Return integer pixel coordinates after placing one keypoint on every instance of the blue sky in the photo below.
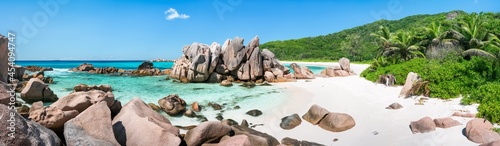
(142, 29)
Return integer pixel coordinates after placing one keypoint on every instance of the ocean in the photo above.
(152, 88)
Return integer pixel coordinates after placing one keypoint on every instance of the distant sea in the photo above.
(151, 89)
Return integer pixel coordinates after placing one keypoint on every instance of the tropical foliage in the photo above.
(462, 59)
(436, 36)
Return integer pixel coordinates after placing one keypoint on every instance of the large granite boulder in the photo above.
(4, 59)
(337, 122)
(302, 72)
(423, 125)
(269, 77)
(91, 127)
(145, 65)
(204, 63)
(480, 131)
(410, 79)
(234, 54)
(493, 143)
(19, 72)
(180, 68)
(270, 61)
(137, 124)
(5, 91)
(36, 106)
(345, 64)
(84, 67)
(172, 104)
(18, 131)
(215, 50)
(252, 68)
(52, 118)
(82, 100)
(206, 132)
(37, 90)
(199, 69)
(315, 114)
(255, 137)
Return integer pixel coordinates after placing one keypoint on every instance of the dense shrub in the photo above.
(398, 70)
(447, 79)
(476, 79)
(488, 97)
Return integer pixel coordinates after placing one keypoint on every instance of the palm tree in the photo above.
(441, 44)
(385, 36)
(473, 36)
(405, 46)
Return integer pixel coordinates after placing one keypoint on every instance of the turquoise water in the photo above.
(125, 64)
(151, 89)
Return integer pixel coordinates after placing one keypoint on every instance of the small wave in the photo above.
(61, 69)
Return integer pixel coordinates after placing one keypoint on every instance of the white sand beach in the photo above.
(365, 102)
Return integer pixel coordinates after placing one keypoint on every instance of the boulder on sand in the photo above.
(480, 131)
(137, 124)
(410, 79)
(423, 125)
(446, 122)
(290, 122)
(345, 64)
(394, 106)
(337, 122)
(315, 114)
(37, 90)
(302, 72)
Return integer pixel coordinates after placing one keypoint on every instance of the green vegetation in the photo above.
(461, 58)
(496, 130)
(358, 44)
(447, 78)
(459, 55)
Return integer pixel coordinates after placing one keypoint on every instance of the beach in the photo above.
(365, 101)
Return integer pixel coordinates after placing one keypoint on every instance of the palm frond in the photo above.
(479, 52)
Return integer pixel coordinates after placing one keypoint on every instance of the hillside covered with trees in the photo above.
(358, 44)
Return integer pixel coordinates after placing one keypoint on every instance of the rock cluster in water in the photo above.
(145, 69)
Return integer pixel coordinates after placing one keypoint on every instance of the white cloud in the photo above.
(173, 14)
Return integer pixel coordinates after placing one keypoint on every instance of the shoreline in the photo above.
(365, 102)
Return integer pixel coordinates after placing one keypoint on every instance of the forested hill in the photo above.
(356, 43)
